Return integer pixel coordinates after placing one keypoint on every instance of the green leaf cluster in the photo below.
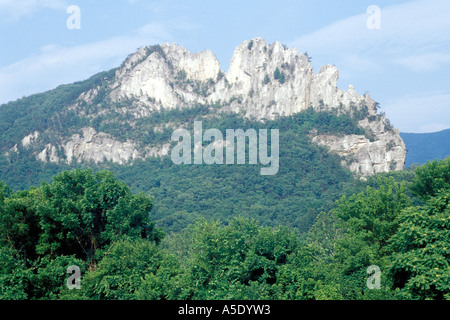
(71, 221)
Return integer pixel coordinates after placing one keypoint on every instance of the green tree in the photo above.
(48, 280)
(72, 221)
(421, 263)
(432, 177)
(84, 212)
(131, 270)
(279, 75)
(242, 260)
(368, 221)
(14, 276)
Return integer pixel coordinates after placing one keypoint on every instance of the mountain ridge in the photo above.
(423, 147)
(106, 116)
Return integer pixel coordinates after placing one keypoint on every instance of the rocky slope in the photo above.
(263, 82)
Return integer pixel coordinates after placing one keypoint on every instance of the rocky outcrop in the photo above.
(151, 76)
(26, 141)
(99, 147)
(264, 81)
(363, 156)
(272, 80)
(385, 153)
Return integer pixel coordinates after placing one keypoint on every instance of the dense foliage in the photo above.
(399, 223)
(310, 179)
(71, 221)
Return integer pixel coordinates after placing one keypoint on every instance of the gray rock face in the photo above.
(264, 81)
(99, 147)
(253, 78)
(171, 77)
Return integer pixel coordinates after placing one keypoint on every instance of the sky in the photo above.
(397, 51)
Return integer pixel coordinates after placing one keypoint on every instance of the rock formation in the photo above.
(263, 82)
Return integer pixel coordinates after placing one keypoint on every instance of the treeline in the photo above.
(93, 220)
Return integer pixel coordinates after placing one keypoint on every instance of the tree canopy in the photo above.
(93, 221)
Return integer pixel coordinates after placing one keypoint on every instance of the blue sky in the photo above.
(404, 64)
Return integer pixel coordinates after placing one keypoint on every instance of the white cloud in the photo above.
(409, 32)
(56, 64)
(425, 62)
(13, 10)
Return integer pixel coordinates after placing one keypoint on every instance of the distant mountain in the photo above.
(426, 146)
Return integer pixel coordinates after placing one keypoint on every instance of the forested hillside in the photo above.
(400, 224)
(309, 180)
